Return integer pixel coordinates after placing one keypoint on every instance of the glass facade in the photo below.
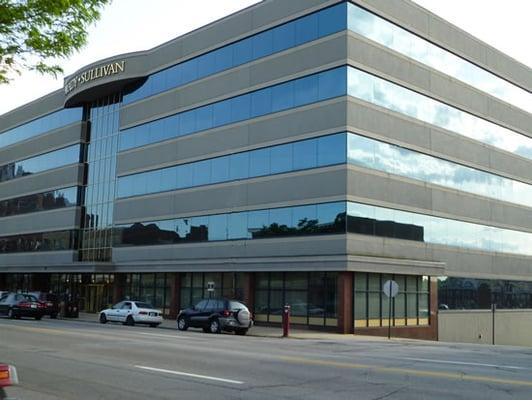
(472, 294)
(291, 94)
(374, 154)
(54, 159)
(288, 221)
(60, 198)
(312, 297)
(311, 153)
(324, 151)
(386, 222)
(43, 241)
(392, 36)
(410, 307)
(396, 98)
(41, 125)
(96, 242)
(294, 33)
(226, 284)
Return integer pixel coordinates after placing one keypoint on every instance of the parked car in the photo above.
(131, 312)
(8, 377)
(51, 302)
(16, 305)
(216, 315)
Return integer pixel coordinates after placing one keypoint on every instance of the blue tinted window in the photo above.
(41, 125)
(332, 149)
(305, 154)
(332, 20)
(239, 164)
(306, 29)
(189, 70)
(221, 113)
(237, 226)
(240, 108)
(243, 51)
(262, 44)
(282, 96)
(261, 102)
(290, 34)
(284, 37)
(220, 169)
(332, 83)
(202, 173)
(282, 159)
(306, 90)
(259, 162)
(289, 94)
(204, 118)
(282, 217)
(218, 227)
(188, 122)
(184, 176)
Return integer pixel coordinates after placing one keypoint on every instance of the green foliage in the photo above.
(34, 32)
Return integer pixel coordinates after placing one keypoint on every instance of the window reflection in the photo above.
(311, 153)
(40, 125)
(397, 98)
(53, 159)
(291, 34)
(45, 241)
(397, 160)
(289, 221)
(39, 202)
(392, 36)
(302, 91)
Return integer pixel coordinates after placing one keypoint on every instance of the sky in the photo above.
(133, 25)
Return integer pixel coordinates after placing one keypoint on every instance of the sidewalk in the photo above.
(257, 331)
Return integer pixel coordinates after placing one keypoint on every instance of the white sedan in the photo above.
(132, 312)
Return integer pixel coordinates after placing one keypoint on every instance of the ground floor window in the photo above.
(312, 297)
(152, 288)
(409, 307)
(200, 285)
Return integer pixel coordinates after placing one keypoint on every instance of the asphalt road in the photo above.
(79, 360)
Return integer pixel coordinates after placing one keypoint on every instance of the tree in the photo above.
(35, 32)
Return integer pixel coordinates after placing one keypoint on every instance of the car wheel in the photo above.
(38, 317)
(182, 324)
(53, 315)
(10, 313)
(103, 318)
(241, 332)
(129, 321)
(154, 325)
(214, 326)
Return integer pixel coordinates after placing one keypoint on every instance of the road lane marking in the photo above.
(211, 378)
(461, 363)
(414, 372)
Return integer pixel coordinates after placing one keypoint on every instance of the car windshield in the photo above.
(143, 305)
(235, 305)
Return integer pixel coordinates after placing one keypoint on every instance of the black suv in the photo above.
(216, 315)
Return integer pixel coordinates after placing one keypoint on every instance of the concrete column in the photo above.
(175, 294)
(433, 321)
(118, 287)
(345, 302)
(248, 281)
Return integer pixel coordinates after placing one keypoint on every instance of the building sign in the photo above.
(92, 74)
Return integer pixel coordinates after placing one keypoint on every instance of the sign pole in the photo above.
(390, 311)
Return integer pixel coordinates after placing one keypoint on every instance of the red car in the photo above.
(16, 305)
(8, 377)
(50, 300)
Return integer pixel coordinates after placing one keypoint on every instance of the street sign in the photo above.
(390, 288)
(210, 286)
